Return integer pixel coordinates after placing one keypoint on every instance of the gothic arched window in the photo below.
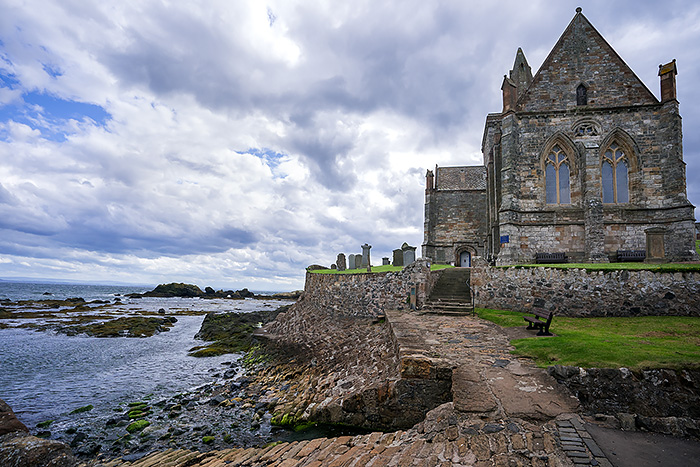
(581, 95)
(615, 173)
(556, 177)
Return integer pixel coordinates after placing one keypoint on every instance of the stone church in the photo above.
(582, 160)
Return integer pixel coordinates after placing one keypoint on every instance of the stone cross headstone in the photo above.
(409, 254)
(351, 261)
(358, 261)
(398, 257)
(365, 255)
(340, 262)
(385, 261)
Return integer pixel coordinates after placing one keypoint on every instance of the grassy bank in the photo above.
(635, 343)
(387, 268)
(667, 267)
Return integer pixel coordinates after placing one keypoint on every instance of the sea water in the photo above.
(45, 375)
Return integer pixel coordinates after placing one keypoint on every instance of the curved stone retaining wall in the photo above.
(367, 294)
(582, 293)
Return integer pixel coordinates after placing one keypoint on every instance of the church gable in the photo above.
(583, 70)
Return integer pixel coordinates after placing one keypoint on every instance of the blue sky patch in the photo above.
(48, 113)
(57, 108)
(8, 81)
(52, 71)
(270, 157)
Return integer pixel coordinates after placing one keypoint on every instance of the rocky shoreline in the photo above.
(114, 318)
(216, 415)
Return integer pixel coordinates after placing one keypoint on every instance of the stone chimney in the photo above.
(429, 181)
(510, 94)
(668, 74)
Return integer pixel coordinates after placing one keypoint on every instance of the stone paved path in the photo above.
(487, 379)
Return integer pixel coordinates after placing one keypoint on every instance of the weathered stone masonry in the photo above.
(582, 293)
(367, 294)
(548, 183)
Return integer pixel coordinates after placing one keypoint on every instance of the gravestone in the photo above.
(333, 266)
(656, 252)
(365, 255)
(340, 262)
(409, 254)
(351, 261)
(385, 261)
(398, 257)
(358, 261)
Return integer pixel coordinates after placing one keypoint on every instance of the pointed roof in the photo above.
(583, 56)
(521, 74)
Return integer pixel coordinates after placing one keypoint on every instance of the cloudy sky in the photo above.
(232, 143)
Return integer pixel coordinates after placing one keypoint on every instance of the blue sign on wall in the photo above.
(505, 238)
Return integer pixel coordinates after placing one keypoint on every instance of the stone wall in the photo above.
(660, 400)
(366, 294)
(581, 293)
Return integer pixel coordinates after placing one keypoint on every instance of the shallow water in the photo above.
(44, 375)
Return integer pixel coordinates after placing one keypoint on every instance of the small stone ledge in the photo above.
(415, 353)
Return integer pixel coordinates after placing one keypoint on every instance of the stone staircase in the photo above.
(451, 294)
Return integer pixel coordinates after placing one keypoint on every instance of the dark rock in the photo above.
(134, 456)
(491, 428)
(216, 400)
(88, 450)
(175, 289)
(161, 311)
(78, 438)
(8, 421)
(22, 449)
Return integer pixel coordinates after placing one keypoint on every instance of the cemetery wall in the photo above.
(367, 294)
(582, 293)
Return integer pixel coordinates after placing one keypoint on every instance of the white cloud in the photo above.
(247, 140)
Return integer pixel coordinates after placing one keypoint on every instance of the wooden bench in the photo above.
(631, 255)
(534, 322)
(550, 258)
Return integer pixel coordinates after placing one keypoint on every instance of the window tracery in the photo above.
(615, 175)
(557, 177)
(586, 129)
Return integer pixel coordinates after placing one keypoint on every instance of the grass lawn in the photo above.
(635, 343)
(667, 267)
(388, 268)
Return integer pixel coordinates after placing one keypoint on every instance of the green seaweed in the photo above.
(44, 424)
(86, 408)
(208, 439)
(137, 426)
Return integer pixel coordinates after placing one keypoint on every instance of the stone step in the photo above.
(450, 310)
